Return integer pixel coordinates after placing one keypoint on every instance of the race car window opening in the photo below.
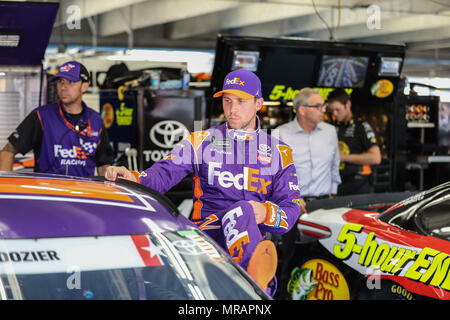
(402, 216)
(172, 265)
(434, 219)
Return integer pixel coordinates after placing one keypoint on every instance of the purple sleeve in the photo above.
(283, 202)
(166, 173)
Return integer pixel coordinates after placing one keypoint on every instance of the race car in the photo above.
(345, 253)
(69, 238)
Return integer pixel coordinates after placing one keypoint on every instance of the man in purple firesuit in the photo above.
(244, 180)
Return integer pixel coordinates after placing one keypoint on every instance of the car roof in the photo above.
(43, 205)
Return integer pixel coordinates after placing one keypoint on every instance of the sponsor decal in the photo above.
(221, 143)
(88, 294)
(221, 151)
(301, 283)
(249, 179)
(423, 265)
(399, 290)
(280, 91)
(166, 134)
(88, 146)
(148, 251)
(236, 241)
(73, 153)
(293, 186)
(108, 115)
(264, 154)
(67, 67)
(382, 88)
(236, 81)
(318, 279)
(240, 136)
(370, 134)
(206, 224)
(264, 149)
(72, 162)
(296, 200)
(124, 115)
(204, 246)
(187, 247)
(155, 155)
(264, 159)
(287, 93)
(142, 174)
(286, 155)
(324, 92)
(276, 217)
(346, 150)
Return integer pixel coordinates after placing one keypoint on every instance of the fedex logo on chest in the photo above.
(249, 179)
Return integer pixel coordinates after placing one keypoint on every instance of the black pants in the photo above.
(357, 184)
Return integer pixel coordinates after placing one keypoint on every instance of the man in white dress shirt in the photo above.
(315, 146)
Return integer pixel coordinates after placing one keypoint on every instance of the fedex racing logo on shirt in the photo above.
(235, 80)
(249, 179)
(73, 156)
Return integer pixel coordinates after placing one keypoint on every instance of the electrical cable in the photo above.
(339, 20)
(323, 20)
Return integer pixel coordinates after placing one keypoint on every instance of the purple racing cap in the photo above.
(72, 71)
(242, 83)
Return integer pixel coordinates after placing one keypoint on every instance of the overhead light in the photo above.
(197, 61)
(272, 103)
(9, 40)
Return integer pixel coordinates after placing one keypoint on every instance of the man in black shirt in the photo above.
(357, 146)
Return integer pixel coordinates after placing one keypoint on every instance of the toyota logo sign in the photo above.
(167, 133)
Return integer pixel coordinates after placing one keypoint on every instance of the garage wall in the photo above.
(19, 94)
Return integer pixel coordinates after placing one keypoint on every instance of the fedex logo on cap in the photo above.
(236, 80)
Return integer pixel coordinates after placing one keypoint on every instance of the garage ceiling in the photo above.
(194, 24)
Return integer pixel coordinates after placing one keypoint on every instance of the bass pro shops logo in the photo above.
(165, 134)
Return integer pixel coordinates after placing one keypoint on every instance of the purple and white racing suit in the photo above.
(231, 167)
